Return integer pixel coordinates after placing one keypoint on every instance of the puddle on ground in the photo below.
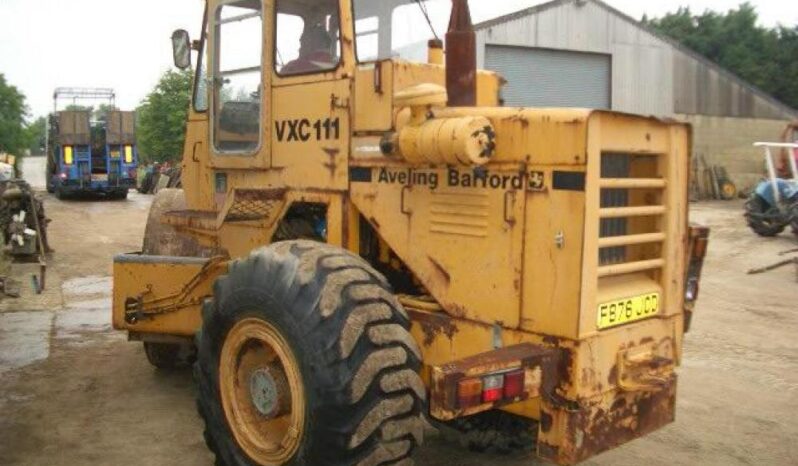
(85, 286)
(80, 318)
(24, 338)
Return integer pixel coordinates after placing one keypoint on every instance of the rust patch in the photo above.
(546, 421)
(551, 340)
(433, 325)
(565, 369)
(456, 309)
(547, 451)
(612, 379)
(518, 118)
(598, 426)
(639, 414)
(461, 57)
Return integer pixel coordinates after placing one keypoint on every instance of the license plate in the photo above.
(99, 177)
(627, 310)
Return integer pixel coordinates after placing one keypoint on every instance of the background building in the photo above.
(584, 53)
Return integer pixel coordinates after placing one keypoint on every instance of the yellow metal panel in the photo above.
(374, 97)
(407, 74)
(534, 136)
(551, 273)
(430, 217)
(311, 134)
(150, 280)
(68, 155)
(196, 173)
(676, 219)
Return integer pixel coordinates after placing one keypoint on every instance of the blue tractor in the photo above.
(773, 206)
(86, 157)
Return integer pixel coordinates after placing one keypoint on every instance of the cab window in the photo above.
(307, 37)
(386, 29)
(238, 29)
(200, 77)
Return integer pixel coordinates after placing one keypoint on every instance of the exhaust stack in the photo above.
(461, 57)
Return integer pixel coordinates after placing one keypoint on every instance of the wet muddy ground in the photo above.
(73, 392)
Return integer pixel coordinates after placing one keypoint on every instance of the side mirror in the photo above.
(181, 49)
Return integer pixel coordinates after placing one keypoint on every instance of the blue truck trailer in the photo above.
(91, 157)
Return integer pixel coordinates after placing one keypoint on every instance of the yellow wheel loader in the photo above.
(365, 243)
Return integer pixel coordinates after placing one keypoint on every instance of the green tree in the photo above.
(79, 108)
(762, 56)
(162, 118)
(101, 112)
(13, 110)
(37, 136)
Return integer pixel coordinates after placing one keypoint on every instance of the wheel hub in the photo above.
(262, 392)
(268, 390)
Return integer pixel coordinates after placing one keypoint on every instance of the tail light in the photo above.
(68, 158)
(491, 380)
(469, 392)
(513, 384)
(491, 388)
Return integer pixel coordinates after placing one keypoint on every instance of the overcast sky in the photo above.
(125, 44)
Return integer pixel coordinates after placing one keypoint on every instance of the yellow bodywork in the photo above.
(510, 251)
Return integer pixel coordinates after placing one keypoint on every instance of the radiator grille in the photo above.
(614, 166)
(631, 232)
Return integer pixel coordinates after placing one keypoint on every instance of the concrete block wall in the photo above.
(728, 142)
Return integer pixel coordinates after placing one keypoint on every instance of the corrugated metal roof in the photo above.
(674, 43)
(520, 14)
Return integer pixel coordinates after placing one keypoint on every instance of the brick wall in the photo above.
(729, 142)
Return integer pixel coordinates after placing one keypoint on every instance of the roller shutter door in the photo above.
(552, 78)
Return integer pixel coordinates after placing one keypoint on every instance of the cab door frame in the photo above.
(259, 159)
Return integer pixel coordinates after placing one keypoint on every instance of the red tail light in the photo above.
(491, 388)
(514, 384)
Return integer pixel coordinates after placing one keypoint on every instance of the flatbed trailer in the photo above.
(86, 157)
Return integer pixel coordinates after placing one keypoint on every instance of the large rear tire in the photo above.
(164, 240)
(794, 218)
(762, 218)
(311, 336)
(169, 356)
